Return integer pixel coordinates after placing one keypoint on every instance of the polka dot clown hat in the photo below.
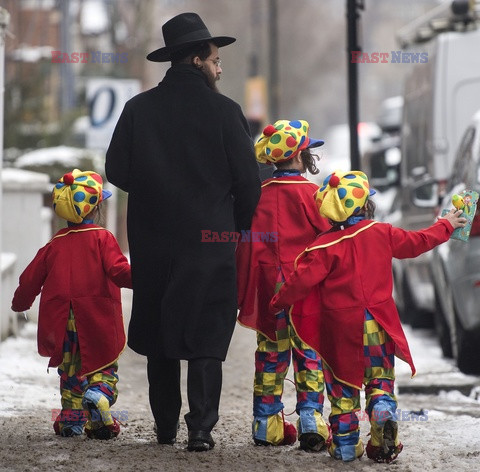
(343, 195)
(283, 141)
(77, 193)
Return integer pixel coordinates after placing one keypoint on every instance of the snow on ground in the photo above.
(444, 434)
(432, 368)
(24, 382)
(66, 156)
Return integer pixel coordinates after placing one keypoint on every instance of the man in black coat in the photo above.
(184, 154)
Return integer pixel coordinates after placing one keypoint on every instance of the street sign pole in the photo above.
(352, 40)
(274, 87)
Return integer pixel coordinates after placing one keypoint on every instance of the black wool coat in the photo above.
(184, 154)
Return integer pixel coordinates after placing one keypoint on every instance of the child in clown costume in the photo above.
(287, 218)
(344, 279)
(80, 326)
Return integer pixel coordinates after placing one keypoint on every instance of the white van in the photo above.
(456, 266)
(440, 96)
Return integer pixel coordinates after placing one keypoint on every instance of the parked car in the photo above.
(455, 265)
(440, 97)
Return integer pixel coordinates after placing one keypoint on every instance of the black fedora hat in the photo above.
(182, 31)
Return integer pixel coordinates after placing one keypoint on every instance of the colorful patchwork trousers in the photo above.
(272, 361)
(73, 387)
(379, 378)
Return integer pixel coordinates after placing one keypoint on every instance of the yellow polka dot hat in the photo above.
(77, 193)
(343, 194)
(283, 141)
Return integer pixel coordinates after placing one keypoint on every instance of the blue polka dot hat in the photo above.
(343, 194)
(77, 193)
(283, 141)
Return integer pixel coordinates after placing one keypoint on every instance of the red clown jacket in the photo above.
(286, 220)
(345, 273)
(81, 267)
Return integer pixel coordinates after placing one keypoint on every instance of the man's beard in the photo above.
(211, 79)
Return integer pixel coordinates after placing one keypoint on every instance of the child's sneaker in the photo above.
(314, 433)
(101, 424)
(103, 432)
(311, 442)
(383, 445)
(68, 429)
(389, 447)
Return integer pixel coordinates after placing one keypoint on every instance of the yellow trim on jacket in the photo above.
(78, 231)
(276, 181)
(331, 243)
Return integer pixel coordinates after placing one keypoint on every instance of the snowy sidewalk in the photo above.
(434, 373)
(446, 435)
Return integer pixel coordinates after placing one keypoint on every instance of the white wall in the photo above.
(26, 227)
(7, 261)
(8, 319)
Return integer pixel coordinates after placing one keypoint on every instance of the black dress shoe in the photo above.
(166, 440)
(200, 441)
(163, 438)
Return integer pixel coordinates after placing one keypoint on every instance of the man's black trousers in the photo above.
(204, 385)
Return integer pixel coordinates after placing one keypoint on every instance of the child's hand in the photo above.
(24, 313)
(453, 216)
